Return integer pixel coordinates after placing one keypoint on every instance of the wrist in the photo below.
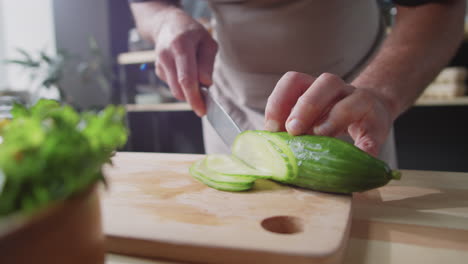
(161, 18)
(150, 16)
(389, 101)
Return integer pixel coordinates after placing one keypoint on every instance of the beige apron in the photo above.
(260, 40)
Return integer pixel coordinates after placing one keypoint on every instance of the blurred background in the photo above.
(88, 54)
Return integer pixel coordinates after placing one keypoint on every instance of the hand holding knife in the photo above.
(219, 119)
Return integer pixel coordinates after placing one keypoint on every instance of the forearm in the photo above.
(421, 43)
(150, 14)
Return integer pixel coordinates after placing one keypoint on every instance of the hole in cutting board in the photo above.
(283, 224)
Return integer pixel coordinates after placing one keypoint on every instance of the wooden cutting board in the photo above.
(154, 208)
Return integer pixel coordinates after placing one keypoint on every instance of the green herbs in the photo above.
(50, 152)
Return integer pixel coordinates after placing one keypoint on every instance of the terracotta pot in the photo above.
(67, 232)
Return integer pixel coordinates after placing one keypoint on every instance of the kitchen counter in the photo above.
(422, 218)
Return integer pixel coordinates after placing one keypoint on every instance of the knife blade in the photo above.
(219, 119)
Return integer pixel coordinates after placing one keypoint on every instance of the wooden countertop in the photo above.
(422, 218)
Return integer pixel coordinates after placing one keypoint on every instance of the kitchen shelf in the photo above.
(182, 106)
(148, 56)
(136, 57)
(164, 107)
(456, 101)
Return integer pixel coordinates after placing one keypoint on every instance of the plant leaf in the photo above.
(25, 54)
(25, 63)
(46, 57)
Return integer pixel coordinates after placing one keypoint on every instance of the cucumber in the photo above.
(280, 142)
(263, 155)
(333, 165)
(219, 181)
(314, 162)
(232, 166)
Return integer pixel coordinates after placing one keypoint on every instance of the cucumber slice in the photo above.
(223, 178)
(263, 154)
(232, 166)
(219, 181)
(281, 141)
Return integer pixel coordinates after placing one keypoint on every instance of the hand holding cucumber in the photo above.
(328, 106)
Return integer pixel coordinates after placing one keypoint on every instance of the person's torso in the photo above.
(260, 40)
(312, 36)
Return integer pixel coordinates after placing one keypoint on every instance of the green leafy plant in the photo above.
(49, 152)
(49, 68)
(96, 68)
(93, 68)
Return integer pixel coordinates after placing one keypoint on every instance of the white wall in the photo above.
(3, 76)
(27, 24)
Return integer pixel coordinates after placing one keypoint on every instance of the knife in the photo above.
(219, 119)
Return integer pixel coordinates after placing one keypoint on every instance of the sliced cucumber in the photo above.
(232, 166)
(281, 142)
(262, 154)
(219, 181)
(313, 162)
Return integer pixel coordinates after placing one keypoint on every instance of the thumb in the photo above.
(365, 138)
(368, 145)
